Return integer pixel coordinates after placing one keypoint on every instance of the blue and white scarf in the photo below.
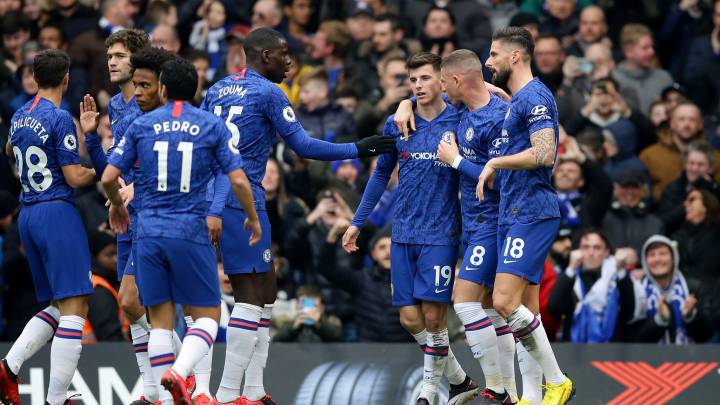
(676, 294)
(571, 218)
(597, 310)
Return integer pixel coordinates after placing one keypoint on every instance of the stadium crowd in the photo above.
(637, 85)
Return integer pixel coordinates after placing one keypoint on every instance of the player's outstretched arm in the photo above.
(310, 148)
(77, 176)
(89, 121)
(373, 191)
(118, 215)
(241, 186)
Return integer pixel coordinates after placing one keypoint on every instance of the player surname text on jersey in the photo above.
(31, 123)
(176, 126)
(235, 89)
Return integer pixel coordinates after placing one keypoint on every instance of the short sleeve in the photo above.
(66, 142)
(539, 112)
(125, 153)
(280, 112)
(226, 154)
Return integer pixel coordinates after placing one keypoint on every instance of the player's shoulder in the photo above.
(390, 129)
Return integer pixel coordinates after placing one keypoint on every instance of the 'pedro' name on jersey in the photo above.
(176, 126)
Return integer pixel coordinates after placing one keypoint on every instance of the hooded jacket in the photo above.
(648, 326)
(647, 83)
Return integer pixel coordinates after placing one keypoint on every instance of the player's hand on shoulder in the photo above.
(375, 145)
(404, 118)
(119, 218)
(254, 226)
(448, 151)
(214, 225)
(89, 116)
(497, 91)
(349, 240)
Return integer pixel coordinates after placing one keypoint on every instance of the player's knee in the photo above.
(129, 303)
(434, 320)
(411, 322)
(504, 304)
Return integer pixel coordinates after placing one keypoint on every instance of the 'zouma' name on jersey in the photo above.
(527, 195)
(426, 211)
(177, 146)
(44, 140)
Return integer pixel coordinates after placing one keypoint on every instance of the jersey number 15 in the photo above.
(234, 130)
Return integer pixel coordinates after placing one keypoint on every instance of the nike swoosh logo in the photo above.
(372, 150)
(471, 268)
(506, 261)
(440, 291)
(113, 122)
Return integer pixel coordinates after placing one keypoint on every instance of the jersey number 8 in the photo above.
(33, 152)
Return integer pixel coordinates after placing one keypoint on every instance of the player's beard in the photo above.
(501, 77)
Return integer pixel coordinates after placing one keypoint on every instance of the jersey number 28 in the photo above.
(33, 153)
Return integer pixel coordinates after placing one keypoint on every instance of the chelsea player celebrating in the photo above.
(255, 111)
(529, 213)
(426, 226)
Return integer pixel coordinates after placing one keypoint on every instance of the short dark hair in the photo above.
(193, 54)
(180, 78)
(517, 36)
(438, 8)
(423, 58)
(151, 58)
(599, 233)
(308, 290)
(50, 67)
(132, 39)
(546, 35)
(57, 27)
(14, 22)
(260, 40)
(392, 19)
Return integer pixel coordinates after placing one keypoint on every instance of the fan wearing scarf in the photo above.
(588, 293)
(667, 310)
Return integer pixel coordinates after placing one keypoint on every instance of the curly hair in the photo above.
(151, 58)
(132, 39)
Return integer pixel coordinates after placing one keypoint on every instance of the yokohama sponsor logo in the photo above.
(648, 385)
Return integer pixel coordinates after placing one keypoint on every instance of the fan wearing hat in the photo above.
(629, 221)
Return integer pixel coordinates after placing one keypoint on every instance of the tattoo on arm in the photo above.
(543, 146)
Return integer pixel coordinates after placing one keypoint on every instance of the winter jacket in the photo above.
(647, 83)
(329, 123)
(630, 226)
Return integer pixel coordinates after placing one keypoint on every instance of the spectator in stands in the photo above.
(376, 318)
(74, 18)
(638, 71)
(699, 165)
(201, 61)
(266, 14)
(578, 75)
(291, 84)
(629, 221)
(388, 39)
(329, 46)
(161, 12)
(88, 48)
(528, 21)
(283, 209)
(584, 190)
(702, 64)
(470, 19)
(438, 32)
(699, 237)
(560, 19)
(320, 116)
(166, 37)
(106, 321)
(394, 87)
(672, 96)
(668, 306)
(658, 114)
(15, 34)
(24, 76)
(360, 23)
(580, 293)
(548, 61)
(663, 159)
(311, 323)
(51, 37)
(208, 35)
(501, 12)
(592, 29)
(235, 57)
(297, 20)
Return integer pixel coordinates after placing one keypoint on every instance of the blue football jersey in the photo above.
(176, 145)
(478, 136)
(426, 205)
(44, 140)
(527, 195)
(255, 111)
(117, 109)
